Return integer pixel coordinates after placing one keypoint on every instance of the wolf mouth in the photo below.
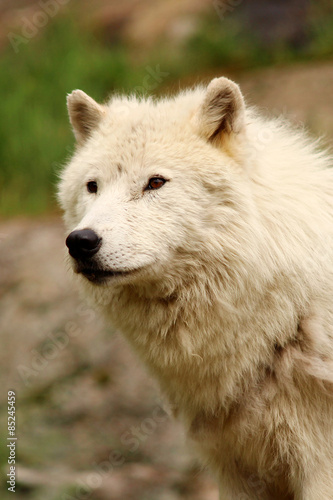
(100, 275)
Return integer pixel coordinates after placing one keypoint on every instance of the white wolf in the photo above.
(206, 232)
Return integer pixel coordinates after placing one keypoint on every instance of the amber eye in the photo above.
(155, 183)
(92, 187)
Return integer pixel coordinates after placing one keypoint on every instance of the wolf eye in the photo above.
(92, 187)
(155, 183)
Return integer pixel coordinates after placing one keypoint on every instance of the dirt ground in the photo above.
(90, 422)
(87, 413)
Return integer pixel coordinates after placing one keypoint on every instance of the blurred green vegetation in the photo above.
(231, 44)
(35, 137)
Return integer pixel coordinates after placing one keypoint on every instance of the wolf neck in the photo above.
(187, 346)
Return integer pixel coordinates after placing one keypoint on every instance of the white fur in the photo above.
(231, 304)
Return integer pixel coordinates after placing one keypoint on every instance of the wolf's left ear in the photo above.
(222, 110)
(84, 114)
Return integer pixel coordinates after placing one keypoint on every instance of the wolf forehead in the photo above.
(205, 112)
(135, 123)
(133, 133)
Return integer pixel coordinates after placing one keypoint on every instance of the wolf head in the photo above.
(156, 189)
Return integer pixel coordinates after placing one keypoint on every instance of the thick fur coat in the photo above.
(214, 258)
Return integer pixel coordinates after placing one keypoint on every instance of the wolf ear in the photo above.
(222, 110)
(84, 114)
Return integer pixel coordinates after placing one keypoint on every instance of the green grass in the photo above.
(35, 137)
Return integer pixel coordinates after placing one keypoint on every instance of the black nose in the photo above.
(83, 243)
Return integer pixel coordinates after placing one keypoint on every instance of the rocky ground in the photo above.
(90, 422)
